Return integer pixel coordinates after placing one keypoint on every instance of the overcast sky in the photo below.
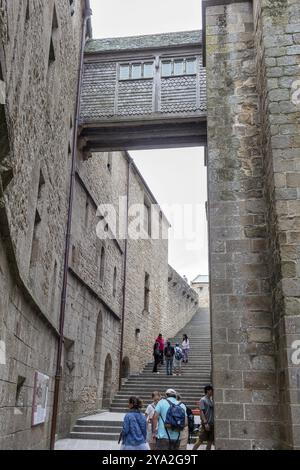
(113, 18)
(175, 176)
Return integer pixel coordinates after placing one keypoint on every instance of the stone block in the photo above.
(260, 335)
(261, 412)
(259, 380)
(227, 379)
(229, 411)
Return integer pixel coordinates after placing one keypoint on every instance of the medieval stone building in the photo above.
(89, 304)
(118, 295)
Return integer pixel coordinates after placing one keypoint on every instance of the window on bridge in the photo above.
(136, 70)
(177, 67)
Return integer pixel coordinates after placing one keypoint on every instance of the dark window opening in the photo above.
(54, 19)
(115, 282)
(51, 53)
(72, 7)
(27, 15)
(147, 292)
(70, 143)
(109, 161)
(35, 239)
(53, 34)
(20, 392)
(41, 186)
(102, 264)
(74, 255)
(87, 211)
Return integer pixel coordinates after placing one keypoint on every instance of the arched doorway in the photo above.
(98, 346)
(107, 382)
(125, 369)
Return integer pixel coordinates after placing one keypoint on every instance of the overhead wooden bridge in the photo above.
(144, 92)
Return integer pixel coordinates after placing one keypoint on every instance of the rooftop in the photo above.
(151, 41)
(201, 278)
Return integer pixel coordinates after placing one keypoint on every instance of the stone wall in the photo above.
(145, 256)
(277, 36)
(183, 303)
(244, 376)
(94, 307)
(39, 55)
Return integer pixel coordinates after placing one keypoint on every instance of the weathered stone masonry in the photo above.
(35, 178)
(252, 60)
(277, 37)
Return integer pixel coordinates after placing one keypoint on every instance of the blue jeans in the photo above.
(169, 365)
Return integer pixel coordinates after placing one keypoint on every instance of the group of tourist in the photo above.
(167, 423)
(173, 356)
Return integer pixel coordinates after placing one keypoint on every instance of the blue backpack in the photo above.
(178, 354)
(175, 418)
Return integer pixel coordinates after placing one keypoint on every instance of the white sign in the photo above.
(40, 397)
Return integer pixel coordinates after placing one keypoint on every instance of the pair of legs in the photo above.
(199, 442)
(205, 436)
(156, 362)
(185, 355)
(177, 367)
(162, 358)
(169, 366)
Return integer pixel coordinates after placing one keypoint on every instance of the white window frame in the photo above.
(136, 62)
(177, 59)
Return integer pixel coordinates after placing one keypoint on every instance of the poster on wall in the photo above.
(40, 397)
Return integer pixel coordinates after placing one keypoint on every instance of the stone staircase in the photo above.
(195, 375)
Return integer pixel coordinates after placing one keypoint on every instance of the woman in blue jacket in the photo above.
(134, 433)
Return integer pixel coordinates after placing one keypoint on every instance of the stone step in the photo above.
(106, 429)
(147, 396)
(101, 436)
(97, 422)
(152, 385)
(124, 399)
(162, 376)
(194, 376)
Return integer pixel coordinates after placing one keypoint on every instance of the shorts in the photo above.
(166, 444)
(207, 436)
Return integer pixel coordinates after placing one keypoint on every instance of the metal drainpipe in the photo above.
(87, 14)
(125, 270)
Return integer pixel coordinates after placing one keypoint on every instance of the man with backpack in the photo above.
(169, 354)
(177, 359)
(169, 419)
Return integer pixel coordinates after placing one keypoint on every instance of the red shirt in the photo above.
(161, 342)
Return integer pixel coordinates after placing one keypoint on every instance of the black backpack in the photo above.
(191, 420)
(169, 351)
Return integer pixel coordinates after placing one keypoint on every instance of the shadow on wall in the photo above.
(125, 371)
(107, 382)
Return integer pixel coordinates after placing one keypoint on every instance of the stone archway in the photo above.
(125, 368)
(107, 379)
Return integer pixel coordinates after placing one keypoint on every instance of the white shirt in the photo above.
(186, 344)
